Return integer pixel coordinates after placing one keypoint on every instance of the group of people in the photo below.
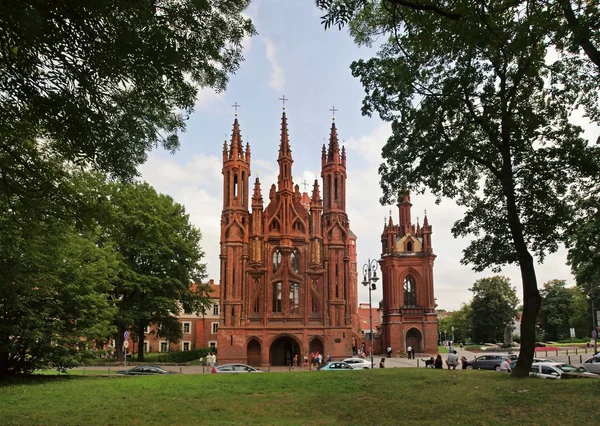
(211, 360)
(315, 359)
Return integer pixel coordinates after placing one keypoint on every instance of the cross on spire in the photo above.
(283, 99)
(236, 106)
(304, 184)
(333, 110)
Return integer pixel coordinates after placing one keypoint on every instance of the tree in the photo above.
(556, 310)
(102, 82)
(492, 309)
(581, 318)
(480, 116)
(461, 321)
(53, 289)
(160, 267)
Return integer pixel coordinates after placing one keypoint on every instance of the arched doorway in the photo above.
(254, 353)
(316, 345)
(283, 350)
(414, 339)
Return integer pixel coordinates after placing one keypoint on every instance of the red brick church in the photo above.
(288, 264)
(407, 311)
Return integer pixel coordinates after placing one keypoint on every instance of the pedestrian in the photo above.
(329, 359)
(382, 363)
(320, 359)
(505, 366)
(305, 360)
(296, 360)
(409, 351)
(439, 364)
(389, 351)
(452, 360)
(465, 363)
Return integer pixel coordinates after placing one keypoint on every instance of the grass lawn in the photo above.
(393, 396)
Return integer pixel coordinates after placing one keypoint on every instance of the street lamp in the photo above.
(369, 280)
(452, 334)
(591, 297)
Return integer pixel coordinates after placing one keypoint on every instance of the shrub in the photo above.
(185, 356)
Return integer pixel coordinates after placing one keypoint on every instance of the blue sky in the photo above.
(295, 57)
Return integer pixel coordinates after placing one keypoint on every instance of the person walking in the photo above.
(389, 351)
(409, 351)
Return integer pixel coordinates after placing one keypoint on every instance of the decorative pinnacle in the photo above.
(283, 99)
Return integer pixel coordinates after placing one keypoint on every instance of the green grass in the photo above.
(392, 396)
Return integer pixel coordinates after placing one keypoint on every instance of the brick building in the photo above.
(408, 305)
(199, 331)
(288, 268)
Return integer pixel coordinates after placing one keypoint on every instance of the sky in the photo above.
(294, 56)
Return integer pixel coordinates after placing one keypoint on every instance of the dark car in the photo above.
(145, 370)
(235, 368)
(490, 362)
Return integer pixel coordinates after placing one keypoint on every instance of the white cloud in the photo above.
(276, 80)
(207, 97)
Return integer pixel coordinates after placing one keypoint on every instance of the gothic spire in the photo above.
(236, 147)
(285, 158)
(333, 152)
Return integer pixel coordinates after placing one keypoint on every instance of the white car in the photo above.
(592, 365)
(553, 370)
(358, 363)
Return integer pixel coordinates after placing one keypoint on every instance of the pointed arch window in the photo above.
(314, 305)
(294, 298)
(276, 260)
(409, 246)
(295, 261)
(277, 297)
(410, 294)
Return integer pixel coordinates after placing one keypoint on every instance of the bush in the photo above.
(185, 356)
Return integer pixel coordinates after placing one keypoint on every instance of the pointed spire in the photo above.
(236, 148)
(333, 151)
(284, 146)
(257, 196)
(225, 151)
(316, 195)
(425, 221)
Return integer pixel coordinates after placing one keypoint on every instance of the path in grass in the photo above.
(394, 396)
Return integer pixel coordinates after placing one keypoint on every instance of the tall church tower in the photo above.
(288, 270)
(408, 305)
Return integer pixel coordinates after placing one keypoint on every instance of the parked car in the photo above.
(358, 363)
(490, 362)
(335, 365)
(513, 364)
(235, 368)
(592, 365)
(554, 370)
(145, 370)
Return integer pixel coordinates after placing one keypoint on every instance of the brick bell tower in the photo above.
(288, 269)
(408, 305)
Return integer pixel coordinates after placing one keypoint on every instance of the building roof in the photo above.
(363, 317)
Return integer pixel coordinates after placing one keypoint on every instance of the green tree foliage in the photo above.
(159, 258)
(102, 82)
(556, 310)
(493, 308)
(461, 321)
(481, 113)
(581, 319)
(53, 287)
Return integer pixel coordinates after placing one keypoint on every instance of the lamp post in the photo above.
(591, 297)
(453, 334)
(369, 280)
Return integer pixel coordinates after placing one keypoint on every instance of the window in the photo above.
(146, 347)
(186, 346)
(410, 295)
(164, 346)
(147, 329)
(216, 309)
(276, 259)
(277, 297)
(294, 298)
(257, 305)
(409, 247)
(212, 344)
(215, 327)
(314, 305)
(187, 327)
(295, 261)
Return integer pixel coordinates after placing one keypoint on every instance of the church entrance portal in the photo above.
(414, 339)
(316, 345)
(283, 351)
(254, 353)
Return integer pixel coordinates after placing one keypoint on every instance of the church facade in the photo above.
(288, 281)
(407, 310)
